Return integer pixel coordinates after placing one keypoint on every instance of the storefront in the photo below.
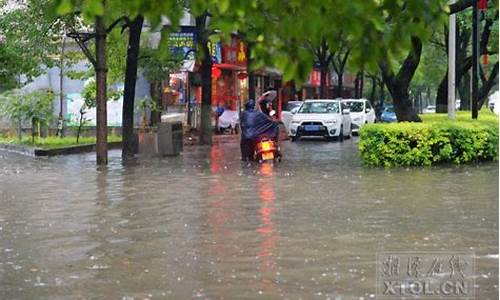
(267, 78)
(312, 87)
(229, 77)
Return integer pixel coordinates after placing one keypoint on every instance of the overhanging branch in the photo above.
(81, 38)
(461, 5)
(116, 22)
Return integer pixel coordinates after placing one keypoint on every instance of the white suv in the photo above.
(321, 118)
(362, 112)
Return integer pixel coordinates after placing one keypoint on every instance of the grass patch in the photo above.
(485, 117)
(435, 140)
(54, 142)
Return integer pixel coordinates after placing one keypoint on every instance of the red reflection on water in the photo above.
(215, 159)
(266, 169)
(219, 213)
(267, 230)
(218, 188)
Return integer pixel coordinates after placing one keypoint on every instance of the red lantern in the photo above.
(485, 59)
(242, 75)
(483, 4)
(216, 72)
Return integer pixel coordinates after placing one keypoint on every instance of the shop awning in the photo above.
(268, 71)
(230, 67)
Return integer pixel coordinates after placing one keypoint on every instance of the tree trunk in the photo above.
(322, 85)
(374, 86)
(19, 130)
(80, 125)
(403, 104)
(340, 76)
(487, 86)
(382, 93)
(398, 84)
(464, 92)
(251, 74)
(129, 143)
(101, 71)
(206, 99)
(33, 130)
(356, 87)
(206, 84)
(442, 95)
(361, 81)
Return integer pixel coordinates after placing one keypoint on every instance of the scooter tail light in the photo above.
(266, 146)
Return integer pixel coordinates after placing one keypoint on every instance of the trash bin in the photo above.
(170, 139)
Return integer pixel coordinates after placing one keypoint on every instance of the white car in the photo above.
(362, 112)
(322, 118)
(494, 102)
(430, 109)
(288, 111)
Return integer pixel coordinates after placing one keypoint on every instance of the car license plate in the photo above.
(311, 128)
(267, 155)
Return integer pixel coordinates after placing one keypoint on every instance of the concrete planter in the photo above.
(35, 152)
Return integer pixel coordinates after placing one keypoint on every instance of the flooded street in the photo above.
(207, 226)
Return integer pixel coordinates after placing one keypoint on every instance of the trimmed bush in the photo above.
(435, 140)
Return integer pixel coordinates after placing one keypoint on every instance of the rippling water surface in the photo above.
(206, 226)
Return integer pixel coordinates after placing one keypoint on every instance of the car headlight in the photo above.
(357, 119)
(331, 121)
(295, 122)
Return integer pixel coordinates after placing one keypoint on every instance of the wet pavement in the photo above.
(207, 226)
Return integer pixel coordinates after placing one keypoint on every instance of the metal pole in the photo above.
(475, 55)
(60, 122)
(451, 65)
(188, 85)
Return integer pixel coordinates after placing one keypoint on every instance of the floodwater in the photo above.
(207, 226)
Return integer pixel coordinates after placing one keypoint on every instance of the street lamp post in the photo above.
(451, 65)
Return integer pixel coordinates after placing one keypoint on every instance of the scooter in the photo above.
(267, 149)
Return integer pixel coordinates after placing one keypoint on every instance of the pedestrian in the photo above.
(219, 110)
(246, 145)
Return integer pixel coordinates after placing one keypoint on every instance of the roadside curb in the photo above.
(36, 152)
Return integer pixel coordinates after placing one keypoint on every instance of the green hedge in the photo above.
(435, 140)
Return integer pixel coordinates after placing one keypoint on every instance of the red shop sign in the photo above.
(235, 53)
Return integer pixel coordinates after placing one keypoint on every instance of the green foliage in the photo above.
(147, 103)
(153, 10)
(436, 140)
(431, 68)
(28, 106)
(157, 64)
(279, 29)
(55, 142)
(116, 53)
(26, 43)
(89, 94)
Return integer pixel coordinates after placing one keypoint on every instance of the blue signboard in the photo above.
(183, 43)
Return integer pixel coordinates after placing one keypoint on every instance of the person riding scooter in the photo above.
(254, 125)
(265, 102)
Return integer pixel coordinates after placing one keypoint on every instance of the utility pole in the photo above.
(475, 54)
(101, 71)
(451, 64)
